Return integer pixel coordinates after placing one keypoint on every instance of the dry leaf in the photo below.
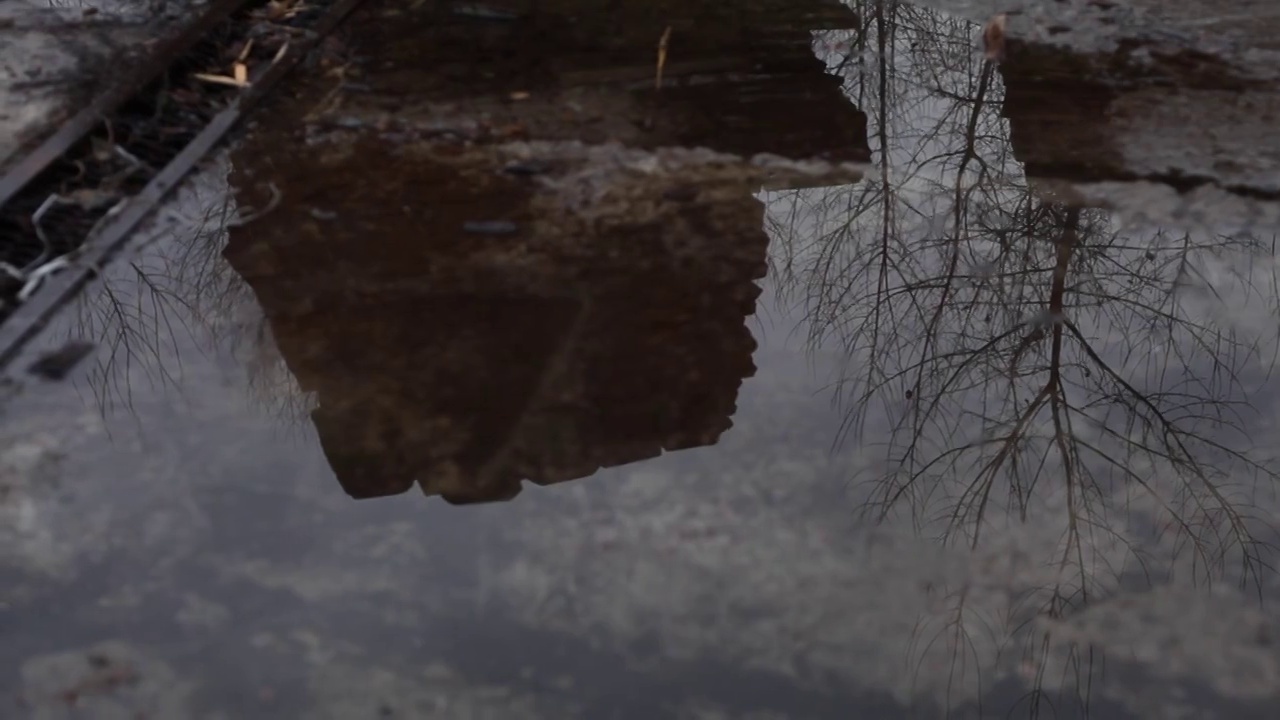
(662, 57)
(219, 79)
(280, 53)
(993, 38)
(102, 150)
(276, 10)
(513, 131)
(519, 95)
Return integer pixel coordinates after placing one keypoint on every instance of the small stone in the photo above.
(680, 193)
(57, 364)
(528, 168)
(490, 227)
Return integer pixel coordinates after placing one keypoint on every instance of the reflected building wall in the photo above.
(467, 358)
(470, 362)
(1137, 112)
(738, 77)
(1056, 105)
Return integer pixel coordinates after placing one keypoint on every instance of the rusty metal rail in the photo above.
(117, 93)
(110, 235)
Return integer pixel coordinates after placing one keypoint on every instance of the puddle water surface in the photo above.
(839, 372)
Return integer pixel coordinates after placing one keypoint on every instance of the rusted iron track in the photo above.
(108, 239)
(105, 103)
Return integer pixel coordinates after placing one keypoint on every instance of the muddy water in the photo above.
(846, 375)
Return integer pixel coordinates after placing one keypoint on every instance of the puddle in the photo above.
(844, 375)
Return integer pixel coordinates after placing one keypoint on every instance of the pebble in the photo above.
(490, 227)
(57, 364)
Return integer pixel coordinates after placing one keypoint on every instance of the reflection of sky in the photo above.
(916, 132)
(919, 131)
(1183, 320)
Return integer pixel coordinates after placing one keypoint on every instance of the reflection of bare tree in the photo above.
(177, 296)
(1005, 346)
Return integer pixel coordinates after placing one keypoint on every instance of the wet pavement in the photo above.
(847, 375)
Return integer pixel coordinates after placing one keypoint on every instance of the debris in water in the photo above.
(233, 81)
(11, 282)
(993, 37)
(528, 168)
(490, 227)
(484, 12)
(680, 193)
(57, 364)
(242, 218)
(663, 42)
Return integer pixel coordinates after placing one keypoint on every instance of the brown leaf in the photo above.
(993, 38)
(513, 131)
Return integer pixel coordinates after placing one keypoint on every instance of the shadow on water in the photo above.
(531, 264)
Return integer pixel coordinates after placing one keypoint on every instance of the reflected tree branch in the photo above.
(1007, 351)
(176, 296)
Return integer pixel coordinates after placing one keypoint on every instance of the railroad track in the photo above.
(71, 203)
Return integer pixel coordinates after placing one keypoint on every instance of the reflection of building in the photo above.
(1137, 113)
(470, 361)
(1056, 104)
(736, 77)
(470, 357)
